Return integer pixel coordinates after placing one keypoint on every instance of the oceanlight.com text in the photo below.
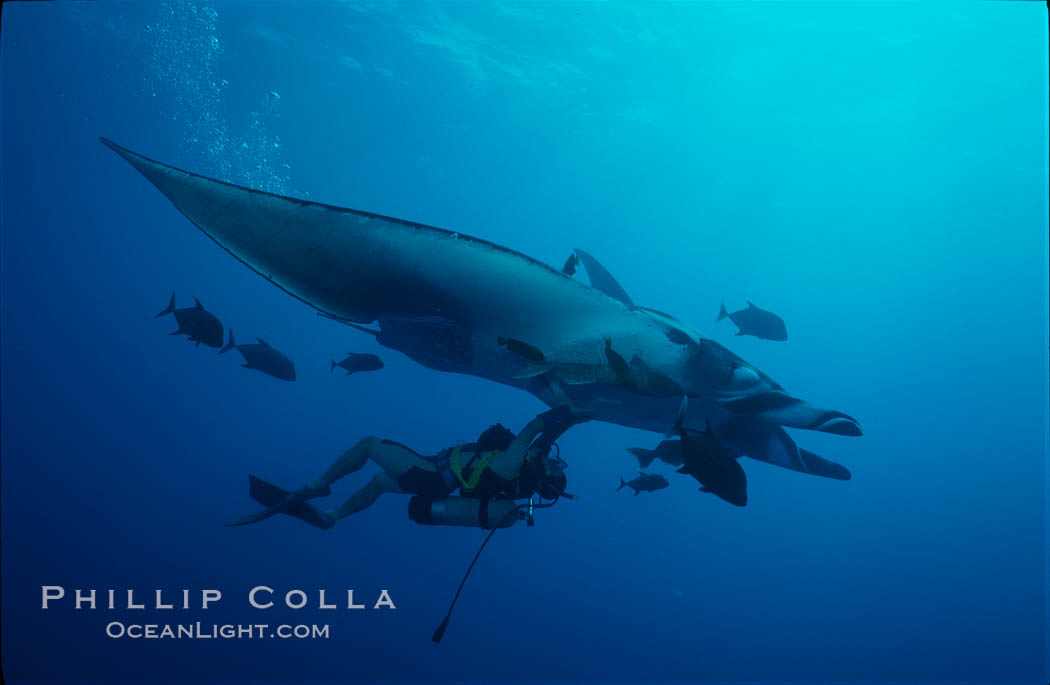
(207, 631)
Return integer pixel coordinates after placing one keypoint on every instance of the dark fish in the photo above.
(199, 324)
(356, 361)
(261, 357)
(668, 451)
(711, 463)
(523, 350)
(645, 482)
(619, 365)
(756, 322)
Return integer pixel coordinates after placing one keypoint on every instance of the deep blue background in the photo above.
(875, 173)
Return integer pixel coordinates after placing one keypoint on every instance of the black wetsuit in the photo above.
(440, 482)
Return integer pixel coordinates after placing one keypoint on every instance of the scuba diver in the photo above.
(490, 474)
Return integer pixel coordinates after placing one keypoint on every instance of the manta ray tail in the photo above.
(570, 265)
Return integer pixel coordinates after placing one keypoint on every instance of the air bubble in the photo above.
(183, 51)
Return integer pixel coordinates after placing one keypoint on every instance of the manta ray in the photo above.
(458, 303)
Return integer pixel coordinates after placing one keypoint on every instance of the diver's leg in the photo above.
(351, 460)
(392, 457)
(366, 496)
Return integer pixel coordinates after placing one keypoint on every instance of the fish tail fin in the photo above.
(722, 313)
(679, 419)
(333, 366)
(645, 457)
(622, 484)
(230, 345)
(168, 310)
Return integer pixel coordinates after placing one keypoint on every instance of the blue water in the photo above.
(875, 173)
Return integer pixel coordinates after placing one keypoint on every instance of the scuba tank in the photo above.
(543, 476)
(461, 511)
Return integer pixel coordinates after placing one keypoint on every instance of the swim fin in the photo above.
(274, 498)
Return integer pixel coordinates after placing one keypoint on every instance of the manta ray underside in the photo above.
(457, 303)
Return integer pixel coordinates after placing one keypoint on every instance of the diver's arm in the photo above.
(555, 422)
(522, 440)
(550, 425)
(508, 463)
